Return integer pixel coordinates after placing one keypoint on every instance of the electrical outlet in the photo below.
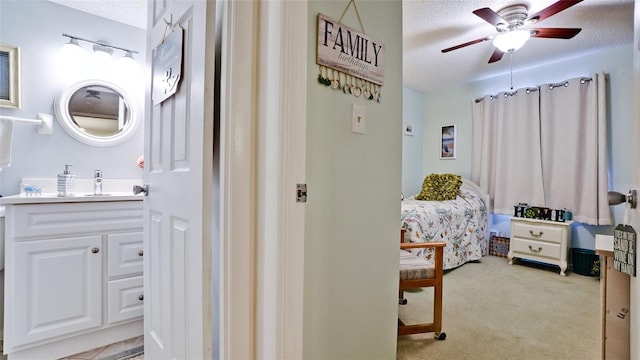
(358, 119)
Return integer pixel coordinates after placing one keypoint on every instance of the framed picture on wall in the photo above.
(9, 76)
(448, 142)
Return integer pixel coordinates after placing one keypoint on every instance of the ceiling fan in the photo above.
(510, 21)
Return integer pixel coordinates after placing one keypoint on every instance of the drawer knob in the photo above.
(140, 297)
(535, 250)
(140, 253)
(534, 234)
(95, 250)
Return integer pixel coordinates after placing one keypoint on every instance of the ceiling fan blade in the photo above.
(477, 41)
(556, 33)
(496, 56)
(552, 10)
(490, 16)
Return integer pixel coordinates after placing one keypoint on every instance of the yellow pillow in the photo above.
(440, 187)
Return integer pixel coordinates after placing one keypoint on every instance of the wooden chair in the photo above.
(415, 272)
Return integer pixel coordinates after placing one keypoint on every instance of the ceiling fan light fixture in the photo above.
(92, 97)
(510, 41)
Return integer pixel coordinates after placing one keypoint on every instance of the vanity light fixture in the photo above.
(103, 48)
(128, 59)
(99, 47)
(73, 48)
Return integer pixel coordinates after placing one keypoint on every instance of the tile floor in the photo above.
(105, 351)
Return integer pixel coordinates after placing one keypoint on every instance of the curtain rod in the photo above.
(529, 90)
(45, 122)
(508, 93)
(566, 83)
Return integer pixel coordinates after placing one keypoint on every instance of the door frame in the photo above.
(262, 157)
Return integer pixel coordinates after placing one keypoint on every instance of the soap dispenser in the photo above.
(66, 182)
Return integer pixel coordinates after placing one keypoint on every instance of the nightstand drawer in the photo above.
(538, 232)
(536, 248)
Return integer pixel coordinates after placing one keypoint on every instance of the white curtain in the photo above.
(545, 147)
(506, 151)
(574, 148)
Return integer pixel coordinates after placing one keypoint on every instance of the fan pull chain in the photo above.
(511, 68)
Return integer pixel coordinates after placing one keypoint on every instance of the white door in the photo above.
(635, 218)
(178, 208)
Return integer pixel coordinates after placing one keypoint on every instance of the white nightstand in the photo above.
(540, 240)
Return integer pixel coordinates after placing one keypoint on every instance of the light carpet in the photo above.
(493, 310)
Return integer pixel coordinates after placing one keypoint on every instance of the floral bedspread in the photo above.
(463, 224)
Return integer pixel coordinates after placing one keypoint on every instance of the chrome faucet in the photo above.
(97, 182)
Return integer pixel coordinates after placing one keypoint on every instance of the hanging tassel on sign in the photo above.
(624, 247)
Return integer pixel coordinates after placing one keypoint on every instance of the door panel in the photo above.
(178, 163)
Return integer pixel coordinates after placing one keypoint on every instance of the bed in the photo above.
(463, 224)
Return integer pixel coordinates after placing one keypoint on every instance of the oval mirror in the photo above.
(96, 112)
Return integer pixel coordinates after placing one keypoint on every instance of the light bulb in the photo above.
(127, 62)
(72, 50)
(511, 40)
(127, 68)
(101, 59)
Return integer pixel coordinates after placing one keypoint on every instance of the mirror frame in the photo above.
(61, 107)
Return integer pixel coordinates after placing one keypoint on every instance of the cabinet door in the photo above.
(58, 288)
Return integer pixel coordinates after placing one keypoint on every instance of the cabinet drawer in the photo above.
(535, 248)
(125, 254)
(125, 299)
(538, 232)
(50, 220)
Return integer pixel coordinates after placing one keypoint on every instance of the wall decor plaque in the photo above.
(624, 249)
(167, 67)
(349, 51)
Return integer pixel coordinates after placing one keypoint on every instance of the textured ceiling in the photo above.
(130, 12)
(432, 25)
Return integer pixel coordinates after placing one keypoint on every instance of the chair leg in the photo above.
(437, 307)
(401, 299)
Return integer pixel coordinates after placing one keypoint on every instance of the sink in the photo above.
(113, 190)
(84, 186)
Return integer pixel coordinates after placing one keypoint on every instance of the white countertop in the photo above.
(604, 242)
(47, 198)
(113, 190)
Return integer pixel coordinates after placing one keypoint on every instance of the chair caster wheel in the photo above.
(441, 336)
(402, 301)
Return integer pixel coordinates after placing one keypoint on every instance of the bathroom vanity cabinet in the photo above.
(73, 274)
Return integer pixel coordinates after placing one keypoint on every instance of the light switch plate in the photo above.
(358, 119)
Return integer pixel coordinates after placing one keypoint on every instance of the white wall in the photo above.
(453, 105)
(413, 112)
(352, 223)
(37, 27)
